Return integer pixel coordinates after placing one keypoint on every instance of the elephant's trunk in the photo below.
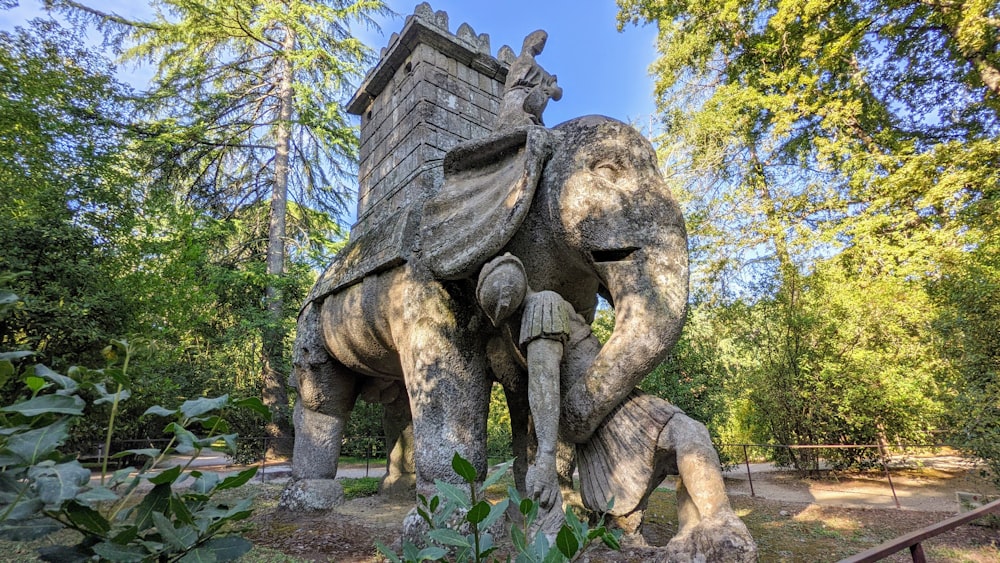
(648, 286)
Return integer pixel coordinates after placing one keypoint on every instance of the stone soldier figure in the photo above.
(545, 329)
(651, 437)
(528, 87)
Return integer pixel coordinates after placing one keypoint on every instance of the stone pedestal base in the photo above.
(312, 494)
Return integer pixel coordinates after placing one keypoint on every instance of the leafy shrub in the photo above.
(498, 434)
(43, 490)
(452, 511)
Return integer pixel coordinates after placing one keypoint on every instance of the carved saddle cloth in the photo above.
(624, 460)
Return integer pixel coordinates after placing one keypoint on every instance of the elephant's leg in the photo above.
(397, 422)
(326, 394)
(708, 527)
(446, 373)
(317, 443)
(522, 447)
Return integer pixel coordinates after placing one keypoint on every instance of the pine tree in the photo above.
(246, 106)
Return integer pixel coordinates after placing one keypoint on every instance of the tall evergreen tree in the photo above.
(246, 106)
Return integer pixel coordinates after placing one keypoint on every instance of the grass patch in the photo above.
(360, 487)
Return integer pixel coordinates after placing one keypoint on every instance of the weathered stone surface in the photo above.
(623, 453)
(528, 87)
(312, 494)
(723, 539)
(462, 226)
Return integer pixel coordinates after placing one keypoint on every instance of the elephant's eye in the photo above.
(607, 169)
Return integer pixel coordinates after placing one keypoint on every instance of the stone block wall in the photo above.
(430, 91)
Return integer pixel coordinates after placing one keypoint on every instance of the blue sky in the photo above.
(600, 70)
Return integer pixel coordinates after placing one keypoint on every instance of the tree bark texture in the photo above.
(275, 395)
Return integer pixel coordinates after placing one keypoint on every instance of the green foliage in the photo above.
(458, 524)
(968, 323)
(837, 162)
(218, 104)
(498, 433)
(245, 111)
(43, 490)
(366, 437)
(65, 205)
(836, 368)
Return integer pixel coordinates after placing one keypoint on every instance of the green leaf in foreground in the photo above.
(157, 410)
(498, 473)
(196, 407)
(46, 404)
(238, 480)
(34, 445)
(87, 518)
(56, 483)
(66, 383)
(226, 548)
(453, 493)
(27, 530)
(479, 512)
(566, 542)
(447, 536)
(254, 404)
(109, 551)
(179, 538)
(463, 468)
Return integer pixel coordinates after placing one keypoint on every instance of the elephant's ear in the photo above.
(487, 191)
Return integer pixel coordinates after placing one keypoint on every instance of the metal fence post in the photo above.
(746, 460)
(885, 466)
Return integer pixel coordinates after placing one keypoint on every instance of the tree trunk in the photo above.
(275, 395)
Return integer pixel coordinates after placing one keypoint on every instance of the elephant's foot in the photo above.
(721, 538)
(402, 485)
(311, 494)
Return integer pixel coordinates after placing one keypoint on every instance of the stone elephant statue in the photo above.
(585, 210)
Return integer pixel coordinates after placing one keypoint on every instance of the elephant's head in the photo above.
(584, 207)
(610, 207)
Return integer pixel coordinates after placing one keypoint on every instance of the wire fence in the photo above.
(815, 459)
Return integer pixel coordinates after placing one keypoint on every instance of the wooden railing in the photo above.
(913, 539)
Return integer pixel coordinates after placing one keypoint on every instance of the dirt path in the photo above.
(926, 484)
(792, 519)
